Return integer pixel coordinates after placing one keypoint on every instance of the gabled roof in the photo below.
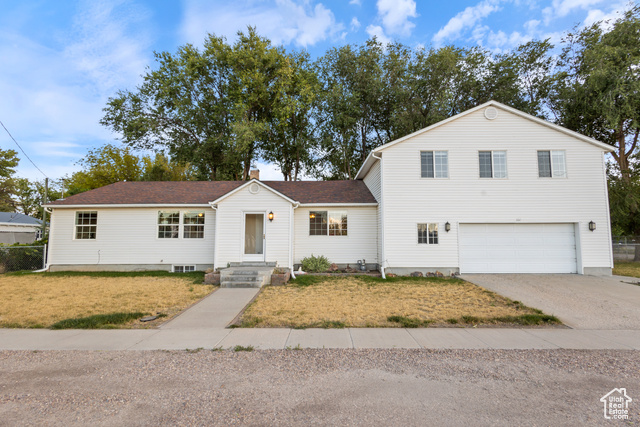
(190, 193)
(370, 160)
(18, 219)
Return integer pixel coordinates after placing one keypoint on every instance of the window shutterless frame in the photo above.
(86, 225)
(492, 164)
(552, 164)
(427, 233)
(434, 164)
(328, 223)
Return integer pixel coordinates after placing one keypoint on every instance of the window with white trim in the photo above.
(168, 224)
(551, 164)
(331, 223)
(86, 225)
(434, 164)
(184, 268)
(193, 225)
(492, 164)
(428, 233)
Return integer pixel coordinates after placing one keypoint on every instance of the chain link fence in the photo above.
(17, 258)
(625, 247)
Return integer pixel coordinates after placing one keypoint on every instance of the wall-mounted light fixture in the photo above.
(447, 227)
(271, 216)
(592, 226)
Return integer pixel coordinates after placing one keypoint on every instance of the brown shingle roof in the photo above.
(202, 192)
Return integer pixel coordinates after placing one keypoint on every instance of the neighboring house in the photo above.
(19, 228)
(489, 190)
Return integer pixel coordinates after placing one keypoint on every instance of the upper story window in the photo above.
(193, 225)
(434, 164)
(168, 224)
(86, 225)
(551, 164)
(332, 223)
(428, 233)
(493, 164)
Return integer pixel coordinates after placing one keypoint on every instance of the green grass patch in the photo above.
(408, 322)
(98, 321)
(626, 268)
(243, 348)
(196, 276)
(522, 320)
(304, 280)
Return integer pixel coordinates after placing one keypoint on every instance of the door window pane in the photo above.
(253, 234)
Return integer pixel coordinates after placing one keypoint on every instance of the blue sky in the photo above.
(61, 60)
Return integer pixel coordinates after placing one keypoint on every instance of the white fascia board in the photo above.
(368, 163)
(130, 205)
(219, 199)
(302, 205)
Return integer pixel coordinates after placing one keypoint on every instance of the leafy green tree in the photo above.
(624, 203)
(597, 90)
(8, 162)
(29, 195)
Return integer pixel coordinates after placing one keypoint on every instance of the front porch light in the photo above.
(271, 216)
(447, 227)
(592, 226)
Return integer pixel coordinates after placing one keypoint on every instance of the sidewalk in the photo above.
(263, 339)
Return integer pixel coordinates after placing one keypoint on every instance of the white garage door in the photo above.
(517, 248)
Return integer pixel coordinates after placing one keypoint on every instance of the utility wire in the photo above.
(25, 154)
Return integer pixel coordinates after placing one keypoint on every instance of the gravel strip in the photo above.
(316, 387)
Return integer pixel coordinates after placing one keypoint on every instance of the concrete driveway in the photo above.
(581, 302)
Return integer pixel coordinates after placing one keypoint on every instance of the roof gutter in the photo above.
(381, 261)
(215, 237)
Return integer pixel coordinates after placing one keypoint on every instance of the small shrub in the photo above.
(452, 321)
(408, 322)
(315, 264)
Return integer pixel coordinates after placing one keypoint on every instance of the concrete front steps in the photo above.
(246, 274)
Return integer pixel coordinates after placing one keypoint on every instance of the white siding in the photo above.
(373, 181)
(360, 241)
(127, 236)
(465, 198)
(231, 222)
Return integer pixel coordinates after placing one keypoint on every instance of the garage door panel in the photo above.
(517, 248)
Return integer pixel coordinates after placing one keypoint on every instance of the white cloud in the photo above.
(355, 24)
(607, 18)
(283, 22)
(562, 8)
(468, 18)
(395, 16)
(531, 25)
(356, 2)
(378, 32)
(53, 92)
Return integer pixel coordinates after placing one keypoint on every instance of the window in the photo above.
(86, 225)
(193, 225)
(168, 224)
(493, 164)
(428, 233)
(184, 268)
(337, 223)
(434, 164)
(332, 223)
(551, 164)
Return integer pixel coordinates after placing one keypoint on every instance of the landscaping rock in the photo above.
(212, 278)
(416, 274)
(148, 318)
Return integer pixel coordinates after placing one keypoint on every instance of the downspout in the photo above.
(292, 209)
(215, 237)
(381, 261)
(46, 246)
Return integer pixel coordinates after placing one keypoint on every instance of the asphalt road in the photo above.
(315, 387)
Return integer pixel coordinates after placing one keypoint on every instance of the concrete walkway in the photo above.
(210, 338)
(215, 311)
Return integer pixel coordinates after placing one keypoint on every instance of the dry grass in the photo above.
(39, 301)
(366, 302)
(626, 268)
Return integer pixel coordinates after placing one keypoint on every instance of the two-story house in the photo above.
(489, 190)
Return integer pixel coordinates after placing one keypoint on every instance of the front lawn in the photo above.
(360, 301)
(626, 268)
(95, 300)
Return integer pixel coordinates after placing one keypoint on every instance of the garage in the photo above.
(518, 248)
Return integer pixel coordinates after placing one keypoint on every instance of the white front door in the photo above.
(254, 237)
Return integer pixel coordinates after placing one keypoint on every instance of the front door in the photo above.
(254, 237)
